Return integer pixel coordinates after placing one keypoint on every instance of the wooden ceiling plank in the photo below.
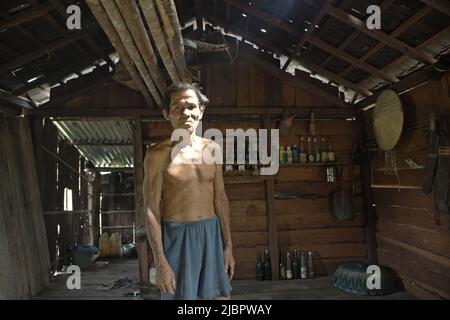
(25, 15)
(440, 5)
(380, 36)
(317, 69)
(309, 31)
(397, 32)
(20, 61)
(350, 59)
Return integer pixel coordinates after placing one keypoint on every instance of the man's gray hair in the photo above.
(176, 87)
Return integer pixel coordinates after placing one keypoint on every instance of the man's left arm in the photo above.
(222, 208)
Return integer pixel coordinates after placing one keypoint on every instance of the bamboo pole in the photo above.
(103, 20)
(125, 37)
(168, 13)
(149, 10)
(130, 13)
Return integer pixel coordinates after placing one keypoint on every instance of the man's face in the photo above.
(184, 110)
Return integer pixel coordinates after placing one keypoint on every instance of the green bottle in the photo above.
(282, 267)
(295, 266)
(259, 267)
(267, 266)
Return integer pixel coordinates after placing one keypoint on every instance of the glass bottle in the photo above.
(323, 150)
(267, 266)
(289, 157)
(295, 154)
(288, 266)
(282, 267)
(303, 271)
(331, 155)
(303, 156)
(282, 154)
(310, 265)
(311, 154)
(259, 267)
(295, 266)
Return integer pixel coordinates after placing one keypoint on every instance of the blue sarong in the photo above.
(194, 250)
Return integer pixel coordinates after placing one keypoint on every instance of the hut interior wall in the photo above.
(408, 239)
(24, 262)
(65, 228)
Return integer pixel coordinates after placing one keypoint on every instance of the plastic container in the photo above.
(104, 245)
(84, 255)
(115, 243)
(152, 274)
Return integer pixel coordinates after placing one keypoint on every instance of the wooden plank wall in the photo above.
(408, 239)
(24, 263)
(309, 224)
(54, 176)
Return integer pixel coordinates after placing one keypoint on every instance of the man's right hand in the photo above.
(165, 278)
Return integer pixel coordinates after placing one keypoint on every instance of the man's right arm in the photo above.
(152, 198)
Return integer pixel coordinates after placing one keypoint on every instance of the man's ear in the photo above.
(165, 114)
(202, 110)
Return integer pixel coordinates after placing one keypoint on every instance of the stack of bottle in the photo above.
(249, 149)
(263, 266)
(296, 265)
(292, 265)
(310, 151)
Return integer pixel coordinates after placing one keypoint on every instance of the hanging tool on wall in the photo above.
(438, 157)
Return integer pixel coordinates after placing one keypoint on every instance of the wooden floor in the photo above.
(96, 281)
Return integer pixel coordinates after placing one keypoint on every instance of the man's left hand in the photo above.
(229, 262)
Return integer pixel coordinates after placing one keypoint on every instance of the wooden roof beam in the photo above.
(55, 76)
(273, 21)
(61, 9)
(355, 33)
(317, 69)
(20, 61)
(397, 32)
(14, 101)
(440, 5)
(380, 36)
(25, 15)
(309, 31)
(350, 59)
(78, 87)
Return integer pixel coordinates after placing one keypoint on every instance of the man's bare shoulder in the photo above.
(158, 153)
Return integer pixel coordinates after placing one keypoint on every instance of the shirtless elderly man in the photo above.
(187, 210)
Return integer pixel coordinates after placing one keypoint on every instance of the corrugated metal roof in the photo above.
(95, 133)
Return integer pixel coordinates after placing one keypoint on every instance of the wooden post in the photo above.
(370, 220)
(270, 207)
(142, 244)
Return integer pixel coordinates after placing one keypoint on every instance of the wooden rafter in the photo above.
(20, 61)
(263, 16)
(411, 80)
(380, 36)
(397, 32)
(349, 39)
(14, 101)
(24, 16)
(55, 76)
(308, 32)
(78, 87)
(317, 69)
(60, 8)
(102, 18)
(350, 59)
(440, 5)
(199, 13)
